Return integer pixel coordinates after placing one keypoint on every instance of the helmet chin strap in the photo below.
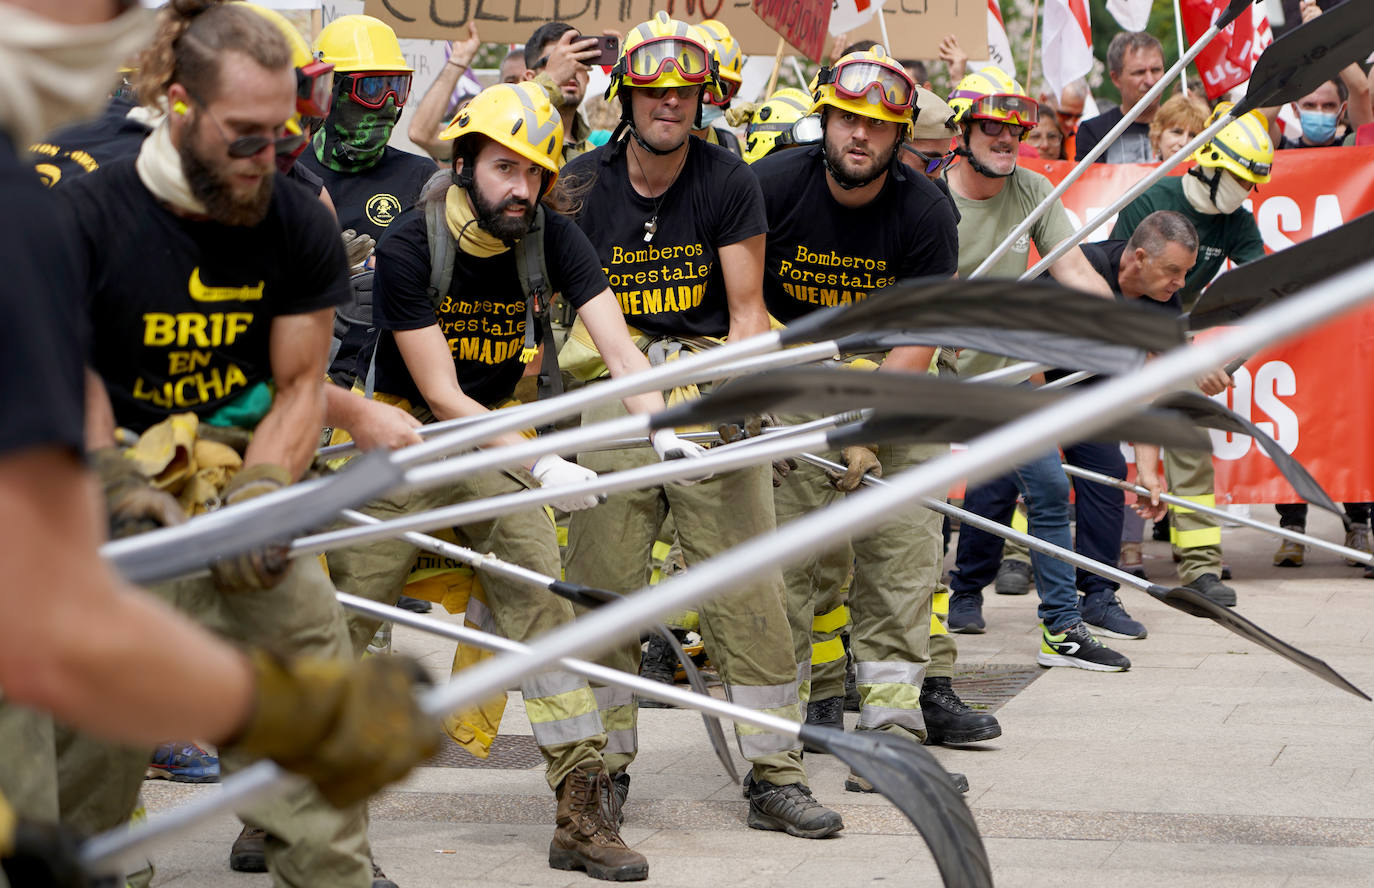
(847, 182)
(1212, 184)
(627, 122)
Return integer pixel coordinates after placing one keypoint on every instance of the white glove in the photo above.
(669, 446)
(554, 471)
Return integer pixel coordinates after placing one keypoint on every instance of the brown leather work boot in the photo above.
(587, 835)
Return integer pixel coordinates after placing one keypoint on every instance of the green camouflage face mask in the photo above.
(354, 137)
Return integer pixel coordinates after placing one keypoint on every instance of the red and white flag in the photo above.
(1066, 48)
(847, 15)
(1230, 57)
(1132, 15)
(999, 47)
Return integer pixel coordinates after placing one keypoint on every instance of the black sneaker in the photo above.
(1208, 586)
(855, 783)
(966, 613)
(1076, 646)
(660, 664)
(1013, 577)
(414, 605)
(379, 879)
(949, 719)
(1103, 613)
(827, 713)
(248, 853)
(790, 809)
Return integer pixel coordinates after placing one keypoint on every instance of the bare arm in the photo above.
(289, 433)
(430, 364)
(100, 421)
(72, 619)
(1074, 270)
(328, 201)
(1359, 108)
(741, 265)
(427, 121)
(909, 359)
(607, 326)
(372, 424)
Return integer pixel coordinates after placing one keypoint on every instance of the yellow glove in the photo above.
(861, 461)
(265, 566)
(39, 854)
(350, 727)
(135, 506)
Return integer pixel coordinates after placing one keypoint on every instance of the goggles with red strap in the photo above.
(314, 89)
(856, 78)
(649, 60)
(1006, 108)
(371, 88)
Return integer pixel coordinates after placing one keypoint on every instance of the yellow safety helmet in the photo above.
(869, 83)
(991, 94)
(361, 43)
(729, 60)
(518, 116)
(774, 124)
(665, 52)
(1242, 146)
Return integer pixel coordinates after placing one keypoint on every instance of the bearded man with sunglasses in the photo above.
(678, 225)
(993, 195)
(210, 282)
(845, 219)
(371, 182)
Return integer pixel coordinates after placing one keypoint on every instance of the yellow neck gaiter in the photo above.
(462, 224)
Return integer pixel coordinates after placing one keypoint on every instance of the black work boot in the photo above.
(951, 720)
(248, 853)
(587, 836)
(827, 713)
(790, 809)
(620, 791)
(1209, 586)
(659, 663)
(379, 879)
(853, 702)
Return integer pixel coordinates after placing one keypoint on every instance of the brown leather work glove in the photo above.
(264, 567)
(350, 727)
(782, 468)
(861, 461)
(134, 505)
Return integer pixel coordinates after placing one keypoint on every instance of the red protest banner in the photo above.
(802, 23)
(1313, 394)
(1226, 61)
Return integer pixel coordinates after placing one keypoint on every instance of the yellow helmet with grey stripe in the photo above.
(1242, 147)
(518, 116)
(775, 120)
(665, 52)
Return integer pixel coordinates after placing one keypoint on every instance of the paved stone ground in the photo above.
(1210, 763)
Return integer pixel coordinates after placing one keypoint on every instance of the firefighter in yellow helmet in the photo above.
(729, 63)
(1210, 195)
(990, 95)
(679, 225)
(784, 121)
(872, 87)
(443, 354)
(371, 182)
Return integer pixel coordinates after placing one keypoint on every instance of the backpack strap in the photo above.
(532, 267)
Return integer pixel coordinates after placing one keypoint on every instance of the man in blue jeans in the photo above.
(993, 195)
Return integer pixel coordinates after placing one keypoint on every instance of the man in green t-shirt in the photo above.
(993, 195)
(1209, 195)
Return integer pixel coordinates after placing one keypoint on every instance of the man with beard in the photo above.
(849, 203)
(993, 195)
(371, 182)
(679, 227)
(210, 285)
(460, 351)
(556, 58)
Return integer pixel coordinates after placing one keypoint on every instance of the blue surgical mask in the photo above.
(1318, 127)
(712, 114)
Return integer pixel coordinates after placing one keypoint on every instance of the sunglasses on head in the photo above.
(933, 164)
(371, 88)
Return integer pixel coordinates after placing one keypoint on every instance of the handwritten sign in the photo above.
(914, 26)
(802, 23)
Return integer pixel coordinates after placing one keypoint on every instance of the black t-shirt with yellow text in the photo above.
(822, 253)
(181, 310)
(84, 147)
(671, 285)
(370, 200)
(482, 315)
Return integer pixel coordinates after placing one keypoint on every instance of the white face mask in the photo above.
(56, 73)
(1231, 193)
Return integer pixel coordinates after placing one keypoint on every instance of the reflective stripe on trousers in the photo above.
(1194, 537)
(619, 719)
(781, 700)
(891, 694)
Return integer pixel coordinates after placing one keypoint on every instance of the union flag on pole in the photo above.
(1230, 57)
